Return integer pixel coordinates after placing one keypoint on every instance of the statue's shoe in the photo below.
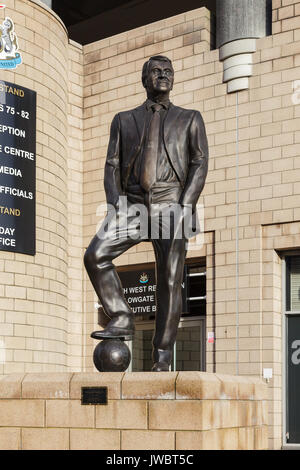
(160, 367)
(114, 333)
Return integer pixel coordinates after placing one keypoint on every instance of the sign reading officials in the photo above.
(17, 168)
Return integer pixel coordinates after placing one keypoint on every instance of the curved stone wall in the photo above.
(33, 292)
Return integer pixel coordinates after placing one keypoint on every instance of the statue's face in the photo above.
(7, 23)
(160, 77)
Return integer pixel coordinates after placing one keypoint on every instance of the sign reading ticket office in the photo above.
(17, 168)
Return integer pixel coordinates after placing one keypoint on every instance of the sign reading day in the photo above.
(17, 168)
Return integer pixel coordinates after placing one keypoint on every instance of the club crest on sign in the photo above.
(144, 278)
(10, 58)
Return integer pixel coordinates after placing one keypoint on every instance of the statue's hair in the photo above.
(161, 58)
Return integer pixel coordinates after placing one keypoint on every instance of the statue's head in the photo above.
(7, 23)
(158, 75)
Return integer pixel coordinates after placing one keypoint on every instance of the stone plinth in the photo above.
(148, 411)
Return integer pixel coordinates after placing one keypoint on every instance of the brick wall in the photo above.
(75, 209)
(268, 167)
(47, 303)
(37, 292)
(112, 83)
(285, 15)
(34, 302)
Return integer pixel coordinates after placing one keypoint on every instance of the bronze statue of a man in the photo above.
(157, 158)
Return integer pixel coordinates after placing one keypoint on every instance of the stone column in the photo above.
(238, 26)
(48, 3)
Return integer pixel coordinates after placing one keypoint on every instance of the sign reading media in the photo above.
(17, 168)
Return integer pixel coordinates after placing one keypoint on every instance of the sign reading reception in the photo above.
(17, 168)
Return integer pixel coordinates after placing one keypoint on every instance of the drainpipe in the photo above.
(239, 23)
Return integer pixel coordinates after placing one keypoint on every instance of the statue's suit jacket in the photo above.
(185, 142)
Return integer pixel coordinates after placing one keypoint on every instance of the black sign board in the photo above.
(139, 290)
(17, 168)
(94, 395)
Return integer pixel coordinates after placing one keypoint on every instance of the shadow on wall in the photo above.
(91, 21)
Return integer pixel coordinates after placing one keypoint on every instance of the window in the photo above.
(293, 283)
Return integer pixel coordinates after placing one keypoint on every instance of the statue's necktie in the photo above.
(149, 164)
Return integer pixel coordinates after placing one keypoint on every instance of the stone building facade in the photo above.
(47, 304)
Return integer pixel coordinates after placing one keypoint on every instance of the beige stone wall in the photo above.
(37, 292)
(285, 14)
(268, 130)
(46, 302)
(75, 209)
(112, 83)
(182, 411)
(268, 170)
(34, 300)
